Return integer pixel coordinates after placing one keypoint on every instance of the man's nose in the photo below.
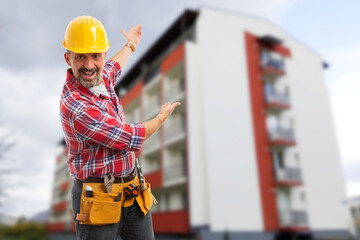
(89, 64)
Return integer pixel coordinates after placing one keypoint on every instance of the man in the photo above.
(101, 144)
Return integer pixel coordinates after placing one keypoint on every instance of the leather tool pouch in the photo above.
(101, 209)
(145, 199)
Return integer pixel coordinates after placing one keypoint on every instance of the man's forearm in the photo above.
(152, 126)
(122, 56)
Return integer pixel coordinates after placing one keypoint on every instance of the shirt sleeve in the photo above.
(112, 71)
(93, 126)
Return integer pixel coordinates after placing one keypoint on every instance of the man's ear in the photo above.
(67, 58)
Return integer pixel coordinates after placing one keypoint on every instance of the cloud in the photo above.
(31, 32)
(30, 101)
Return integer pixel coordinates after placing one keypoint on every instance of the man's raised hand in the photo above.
(166, 110)
(134, 35)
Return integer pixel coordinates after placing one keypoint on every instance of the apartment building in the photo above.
(251, 152)
(60, 222)
(353, 205)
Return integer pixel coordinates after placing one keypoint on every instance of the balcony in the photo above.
(288, 176)
(174, 94)
(152, 93)
(281, 137)
(272, 65)
(132, 111)
(152, 144)
(174, 87)
(277, 101)
(175, 130)
(152, 106)
(151, 162)
(175, 172)
(293, 220)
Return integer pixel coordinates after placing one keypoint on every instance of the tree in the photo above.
(6, 146)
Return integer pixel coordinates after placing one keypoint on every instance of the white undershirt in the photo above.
(101, 89)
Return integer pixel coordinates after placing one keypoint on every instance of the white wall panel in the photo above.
(234, 201)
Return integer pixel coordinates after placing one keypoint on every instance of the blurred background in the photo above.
(32, 73)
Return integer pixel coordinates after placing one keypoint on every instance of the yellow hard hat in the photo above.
(86, 34)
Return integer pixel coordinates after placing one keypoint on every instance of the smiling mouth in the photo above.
(88, 74)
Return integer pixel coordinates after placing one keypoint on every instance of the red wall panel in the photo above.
(263, 154)
(171, 222)
(132, 94)
(170, 61)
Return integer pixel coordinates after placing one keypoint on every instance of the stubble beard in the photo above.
(88, 84)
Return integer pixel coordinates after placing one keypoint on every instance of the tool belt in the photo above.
(104, 208)
(131, 176)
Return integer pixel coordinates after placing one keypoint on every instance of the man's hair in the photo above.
(68, 52)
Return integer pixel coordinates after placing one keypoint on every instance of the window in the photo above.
(297, 159)
(269, 92)
(272, 123)
(353, 212)
(182, 84)
(303, 197)
(265, 58)
(292, 122)
(280, 157)
(183, 161)
(167, 201)
(151, 74)
(287, 90)
(184, 199)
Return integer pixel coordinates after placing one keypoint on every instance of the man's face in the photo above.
(86, 67)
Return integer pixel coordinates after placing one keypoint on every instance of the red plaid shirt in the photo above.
(96, 134)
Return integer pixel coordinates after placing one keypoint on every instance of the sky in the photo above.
(32, 73)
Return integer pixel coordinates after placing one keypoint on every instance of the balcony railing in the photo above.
(288, 175)
(173, 93)
(175, 171)
(152, 105)
(277, 97)
(174, 129)
(293, 218)
(270, 60)
(152, 142)
(282, 134)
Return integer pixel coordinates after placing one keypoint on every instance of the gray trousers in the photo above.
(132, 226)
